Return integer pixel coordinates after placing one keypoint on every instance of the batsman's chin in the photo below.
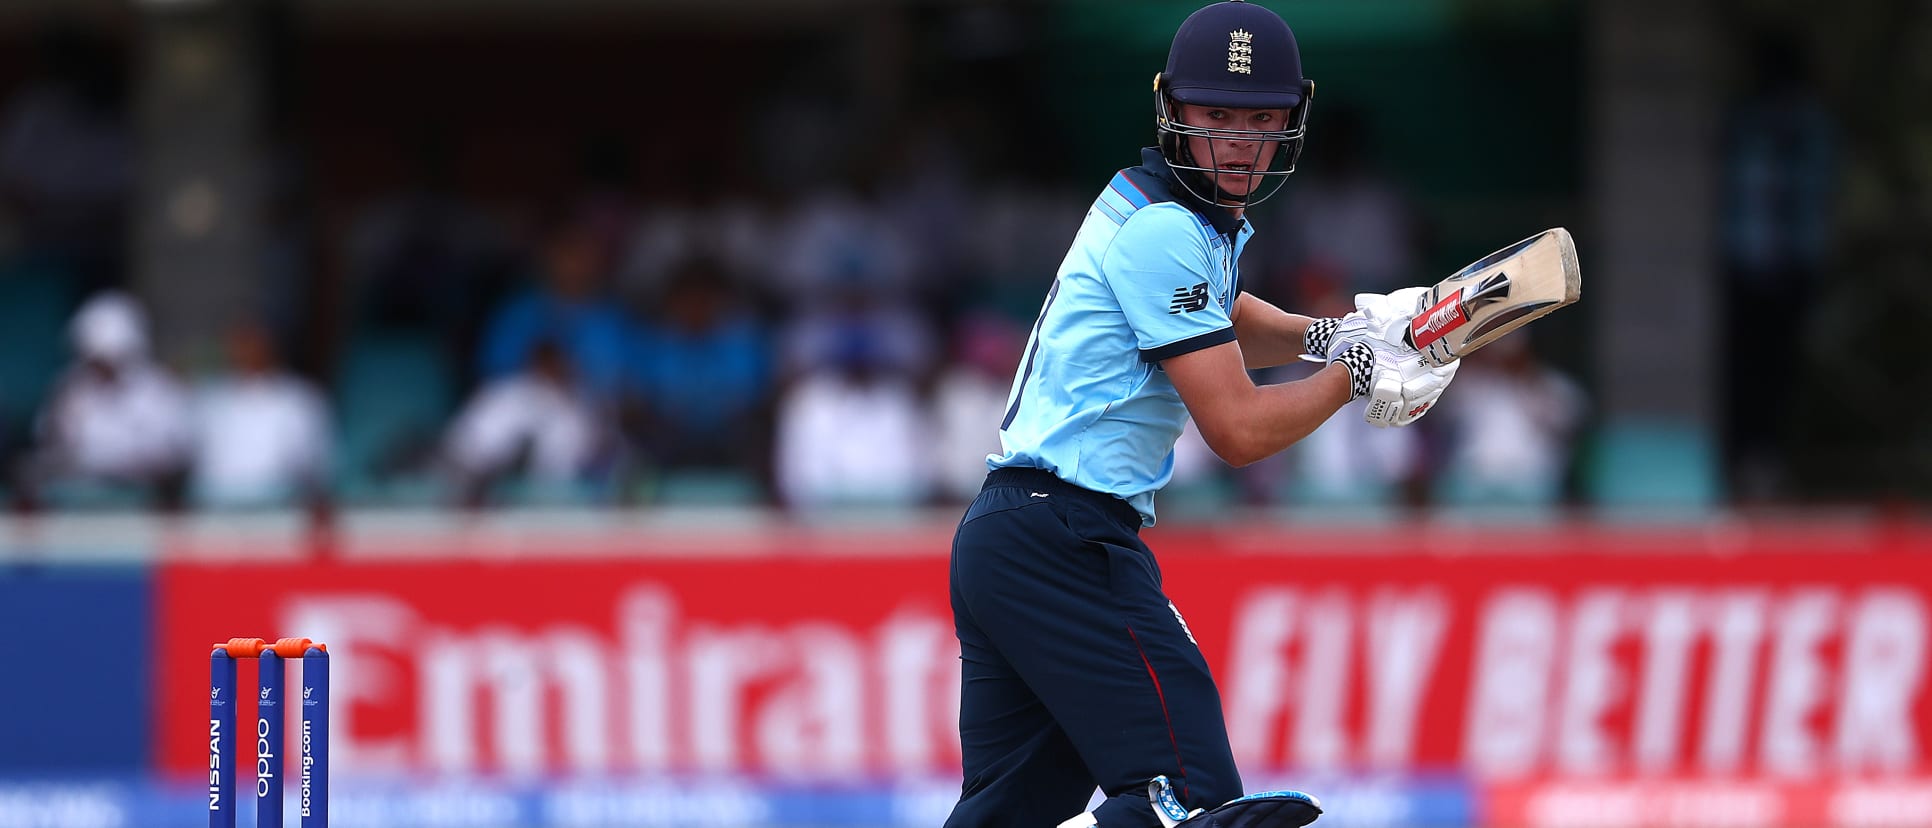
(1235, 181)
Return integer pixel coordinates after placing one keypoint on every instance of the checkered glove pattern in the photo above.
(1320, 334)
(1359, 359)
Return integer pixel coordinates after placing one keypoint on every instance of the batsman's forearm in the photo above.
(1286, 412)
(1269, 335)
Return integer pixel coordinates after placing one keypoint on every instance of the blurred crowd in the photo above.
(774, 313)
(847, 343)
(700, 335)
(831, 384)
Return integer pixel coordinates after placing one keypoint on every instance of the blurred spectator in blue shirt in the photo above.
(701, 367)
(571, 306)
(821, 335)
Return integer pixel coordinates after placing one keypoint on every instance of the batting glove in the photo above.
(1382, 320)
(1319, 338)
(1360, 361)
(1406, 390)
(1382, 308)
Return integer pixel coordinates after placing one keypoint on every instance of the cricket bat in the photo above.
(1494, 295)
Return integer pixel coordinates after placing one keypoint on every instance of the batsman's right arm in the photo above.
(1269, 336)
(1243, 422)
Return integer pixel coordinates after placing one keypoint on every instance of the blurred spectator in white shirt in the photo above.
(263, 435)
(969, 401)
(851, 433)
(1348, 463)
(1513, 419)
(117, 420)
(537, 426)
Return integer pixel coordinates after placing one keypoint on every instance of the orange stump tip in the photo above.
(254, 647)
(243, 647)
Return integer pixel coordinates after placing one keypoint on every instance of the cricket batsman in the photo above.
(1078, 672)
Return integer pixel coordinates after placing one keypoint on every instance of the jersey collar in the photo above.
(1219, 218)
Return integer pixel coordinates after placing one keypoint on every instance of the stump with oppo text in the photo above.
(267, 736)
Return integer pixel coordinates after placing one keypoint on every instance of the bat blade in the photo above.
(1496, 294)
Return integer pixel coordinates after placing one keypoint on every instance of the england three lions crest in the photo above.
(1241, 52)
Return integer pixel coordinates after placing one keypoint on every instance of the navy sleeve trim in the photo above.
(1188, 345)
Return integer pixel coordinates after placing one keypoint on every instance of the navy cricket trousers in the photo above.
(1077, 670)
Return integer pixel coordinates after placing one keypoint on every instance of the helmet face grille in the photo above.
(1232, 55)
(1198, 176)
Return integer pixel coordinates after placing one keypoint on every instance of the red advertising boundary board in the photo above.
(1663, 661)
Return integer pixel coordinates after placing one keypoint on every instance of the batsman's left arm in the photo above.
(1269, 336)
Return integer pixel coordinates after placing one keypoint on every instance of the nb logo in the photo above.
(1189, 300)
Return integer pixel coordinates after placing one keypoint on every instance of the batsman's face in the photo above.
(1235, 156)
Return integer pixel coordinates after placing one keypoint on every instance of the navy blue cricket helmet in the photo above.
(1236, 55)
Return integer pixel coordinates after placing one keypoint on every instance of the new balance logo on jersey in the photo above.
(1189, 300)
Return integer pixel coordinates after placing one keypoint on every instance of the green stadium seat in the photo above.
(394, 393)
(1655, 469)
(35, 304)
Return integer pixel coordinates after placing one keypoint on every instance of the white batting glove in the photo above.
(1382, 308)
(1381, 320)
(1404, 391)
(1370, 340)
(1326, 339)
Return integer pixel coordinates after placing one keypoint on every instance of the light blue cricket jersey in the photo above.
(1151, 276)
